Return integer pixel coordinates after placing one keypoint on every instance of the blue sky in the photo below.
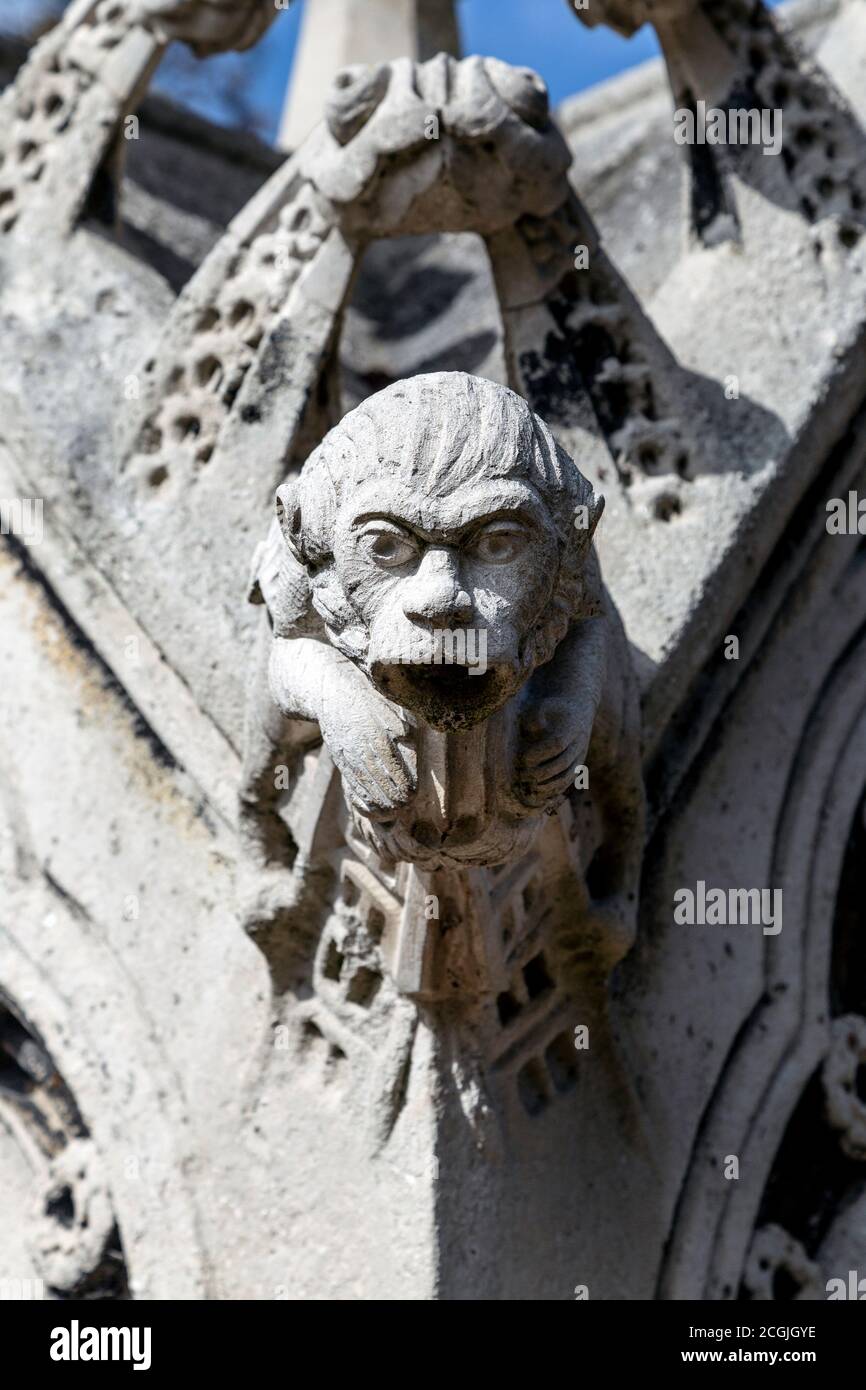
(541, 34)
(545, 35)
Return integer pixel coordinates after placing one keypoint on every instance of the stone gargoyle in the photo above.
(437, 618)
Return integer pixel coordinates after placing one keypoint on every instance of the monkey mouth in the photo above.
(452, 695)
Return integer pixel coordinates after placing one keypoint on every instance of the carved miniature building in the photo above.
(433, 720)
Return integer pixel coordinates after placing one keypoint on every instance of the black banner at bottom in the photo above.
(80, 1339)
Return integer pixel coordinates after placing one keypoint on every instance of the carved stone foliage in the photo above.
(844, 1081)
(60, 116)
(778, 1268)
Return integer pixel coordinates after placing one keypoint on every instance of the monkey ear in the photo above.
(592, 601)
(582, 575)
(289, 517)
(592, 588)
(595, 507)
(586, 517)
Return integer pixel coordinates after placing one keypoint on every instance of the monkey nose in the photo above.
(436, 595)
(444, 606)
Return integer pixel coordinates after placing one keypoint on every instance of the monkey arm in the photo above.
(559, 710)
(577, 670)
(307, 676)
(563, 696)
(366, 735)
(273, 739)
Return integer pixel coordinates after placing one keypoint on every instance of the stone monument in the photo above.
(433, 726)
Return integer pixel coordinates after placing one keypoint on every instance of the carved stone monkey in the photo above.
(436, 615)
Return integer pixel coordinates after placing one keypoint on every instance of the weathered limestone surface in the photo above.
(291, 970)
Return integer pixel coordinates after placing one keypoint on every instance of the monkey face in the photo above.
(449, 589)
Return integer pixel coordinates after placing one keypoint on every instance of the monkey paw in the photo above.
(610, 925)
(368, 739)
(264, 896)
(553, 743)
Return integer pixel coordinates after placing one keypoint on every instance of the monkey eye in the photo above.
(390, 547)
(498, 543)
